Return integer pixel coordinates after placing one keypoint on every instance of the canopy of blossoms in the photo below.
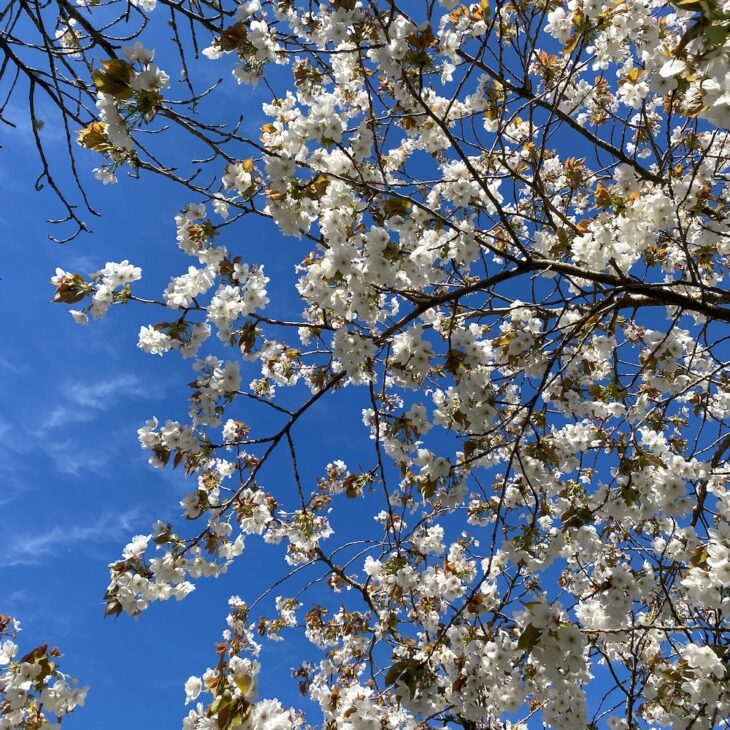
(513, 247)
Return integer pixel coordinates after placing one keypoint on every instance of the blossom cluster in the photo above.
(34, 693)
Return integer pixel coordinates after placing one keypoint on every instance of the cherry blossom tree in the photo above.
(516, 234)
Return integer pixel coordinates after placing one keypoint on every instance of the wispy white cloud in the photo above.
(24, 606)
(25, 549)
(83, 402)
(51, 433)
(15, 598)
(13, 366)
(74, 460)
(50, 134)
(82, 264)
(100, 394)
(12, 483)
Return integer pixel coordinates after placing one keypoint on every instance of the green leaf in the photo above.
(577, 517)
(114, 78)
(529, 638)
(243, 682)
(395, 206)
(404, 670)
(716, 34)
(232, 37)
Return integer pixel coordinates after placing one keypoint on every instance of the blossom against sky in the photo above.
(76, 486)
(587, 421)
